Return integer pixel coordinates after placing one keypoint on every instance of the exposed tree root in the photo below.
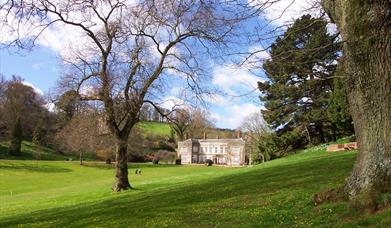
(118, 187)
(328, 196)
(365, 202)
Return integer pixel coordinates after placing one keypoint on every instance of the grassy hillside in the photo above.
(155, 128)
(274, 194)
(32, 152)
(163, 129)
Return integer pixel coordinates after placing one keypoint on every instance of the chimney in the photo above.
(205, 135)
(239, 134)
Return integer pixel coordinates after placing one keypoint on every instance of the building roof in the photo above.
(236, 140)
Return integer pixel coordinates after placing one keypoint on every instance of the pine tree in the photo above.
(338, 111)
(297, 94)
(38, 135)
(16, 140)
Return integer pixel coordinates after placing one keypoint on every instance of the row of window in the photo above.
(214, 149)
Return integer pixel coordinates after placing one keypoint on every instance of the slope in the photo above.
(274, 194)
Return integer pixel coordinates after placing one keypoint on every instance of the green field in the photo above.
(31, 151)
(34, 152)
(155, 128)
(274, 194)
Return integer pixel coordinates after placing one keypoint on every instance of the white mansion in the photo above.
(221, 151)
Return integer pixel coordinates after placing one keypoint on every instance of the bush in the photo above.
(105, 155)
(178, 161)
(155, 160)
(208, 162)
(165, 156)
(136, 157)
(164, 145)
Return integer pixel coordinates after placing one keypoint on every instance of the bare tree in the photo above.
(132, 46)
(255, 127)
(180, 121)
(200, 121)
(79, 135)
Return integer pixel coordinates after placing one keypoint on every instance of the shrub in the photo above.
(105, 155)
(208, 162)
(155, 160)
(165, 156)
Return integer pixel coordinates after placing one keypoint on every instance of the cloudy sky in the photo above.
(40, 68)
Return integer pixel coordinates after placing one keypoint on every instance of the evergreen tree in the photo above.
(297, 94)
(16, 140)
(338, 110)
(38, 135)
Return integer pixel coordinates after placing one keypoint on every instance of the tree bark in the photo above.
(81, 158)
(365, 27)
(319, 128)
(121, 167)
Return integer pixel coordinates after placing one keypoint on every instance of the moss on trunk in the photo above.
(365, 27)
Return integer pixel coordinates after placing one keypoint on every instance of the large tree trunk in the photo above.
(121, 168)
(365, 27)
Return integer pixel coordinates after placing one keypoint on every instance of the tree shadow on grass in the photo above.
(204, 203)
(32, 167)
(102, 165)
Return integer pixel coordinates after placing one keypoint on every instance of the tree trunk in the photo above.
(81, 158)
(334, 132)
(319, 128)
(365, 27)
(121, 167)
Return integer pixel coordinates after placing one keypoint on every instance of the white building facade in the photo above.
(229, 152)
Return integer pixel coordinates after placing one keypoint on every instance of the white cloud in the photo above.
(50, 106)
(286, 11)
(36, 89)
(217, 99)
(59, 37)
(283, 12)
(37, 66)
(172, 102)
(176, 91)
(234, 115)
(230, 78)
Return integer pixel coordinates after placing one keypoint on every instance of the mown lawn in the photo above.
(274, 194)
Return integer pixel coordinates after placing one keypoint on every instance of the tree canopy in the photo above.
(297, 92)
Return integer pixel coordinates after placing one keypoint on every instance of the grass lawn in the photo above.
(274, 194)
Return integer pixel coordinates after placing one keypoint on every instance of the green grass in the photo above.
(163, 129)
(31, 151)
(274, 194)
(155, 128)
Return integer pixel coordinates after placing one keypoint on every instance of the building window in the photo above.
(221, 149)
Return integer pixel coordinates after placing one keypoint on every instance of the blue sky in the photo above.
(40, 68)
